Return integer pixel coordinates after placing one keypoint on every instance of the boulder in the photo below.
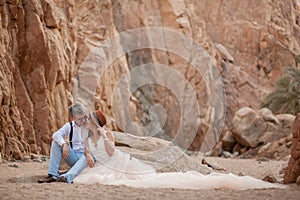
(268, 116)
(248, 127)
(138, 142)
(260, 133)
(161, 154)
(228, 141)
(252, 129)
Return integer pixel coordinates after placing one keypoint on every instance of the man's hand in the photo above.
(90, 161)
(65, 151)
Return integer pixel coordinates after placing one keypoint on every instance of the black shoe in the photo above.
(62, 179)
(49, 179)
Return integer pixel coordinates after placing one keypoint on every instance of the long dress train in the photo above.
(122, 169)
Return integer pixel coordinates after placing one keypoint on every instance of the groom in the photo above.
(72, 153)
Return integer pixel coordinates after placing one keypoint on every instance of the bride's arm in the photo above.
(109, 142)
(111, 137)
(86, 148)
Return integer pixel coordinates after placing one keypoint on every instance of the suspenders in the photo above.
(71, 135)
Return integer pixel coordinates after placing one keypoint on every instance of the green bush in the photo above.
(286, 96)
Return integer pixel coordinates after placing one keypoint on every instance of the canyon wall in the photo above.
(50, 58)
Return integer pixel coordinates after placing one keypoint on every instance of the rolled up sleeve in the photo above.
(59, 135)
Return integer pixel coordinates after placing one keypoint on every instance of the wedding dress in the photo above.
(122, 169)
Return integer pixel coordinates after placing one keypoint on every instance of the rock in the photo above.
(277, 149)
(228, 141)
(216, 151)
(241, 174)
(248, 127)
(227, 154)
(263, 159)
(252, 129)
(162, 155)
(243, 150)
(293, 169)
(235, 154)
(225, 55)
(50, 14)
(138, 142)
(40, 76)
(43, 158)
(270, 178)
(267, 115)
(298, 180)
(213, 165)
(237, 148)
(264, 148)
(34, 156)
(288, 144)
(286, 120)
(13, 165)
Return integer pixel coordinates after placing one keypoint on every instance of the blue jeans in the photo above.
(76, 160)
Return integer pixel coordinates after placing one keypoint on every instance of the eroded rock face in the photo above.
(38, 51)
(293, 170)
(44, 43)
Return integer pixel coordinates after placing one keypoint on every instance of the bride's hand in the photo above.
(90, 161)
(102, 131)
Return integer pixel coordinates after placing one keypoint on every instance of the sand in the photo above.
(18, 180)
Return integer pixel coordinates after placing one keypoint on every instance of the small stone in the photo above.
(227, 154)
(13, 165)
(262, 159)
(298, 180)
(43, 158)
(288, 144)
(235, 154)
(270, 178)
(34, 156)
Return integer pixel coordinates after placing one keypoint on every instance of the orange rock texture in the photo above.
(292, 173)
(44, 43)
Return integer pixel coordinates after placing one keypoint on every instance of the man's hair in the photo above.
(77, 109)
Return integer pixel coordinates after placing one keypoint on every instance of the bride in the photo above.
(114, 167)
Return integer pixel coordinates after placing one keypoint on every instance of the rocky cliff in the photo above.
(292, 173)
(49, 59)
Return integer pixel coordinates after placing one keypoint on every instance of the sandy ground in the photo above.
(18, 180)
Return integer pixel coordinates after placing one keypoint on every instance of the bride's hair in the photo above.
(93, 130)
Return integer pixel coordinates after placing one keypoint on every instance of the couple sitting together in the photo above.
(90, 153)
(93, 158)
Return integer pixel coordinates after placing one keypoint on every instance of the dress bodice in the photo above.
(98, 149)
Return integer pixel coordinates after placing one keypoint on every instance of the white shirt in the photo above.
(80, 133)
